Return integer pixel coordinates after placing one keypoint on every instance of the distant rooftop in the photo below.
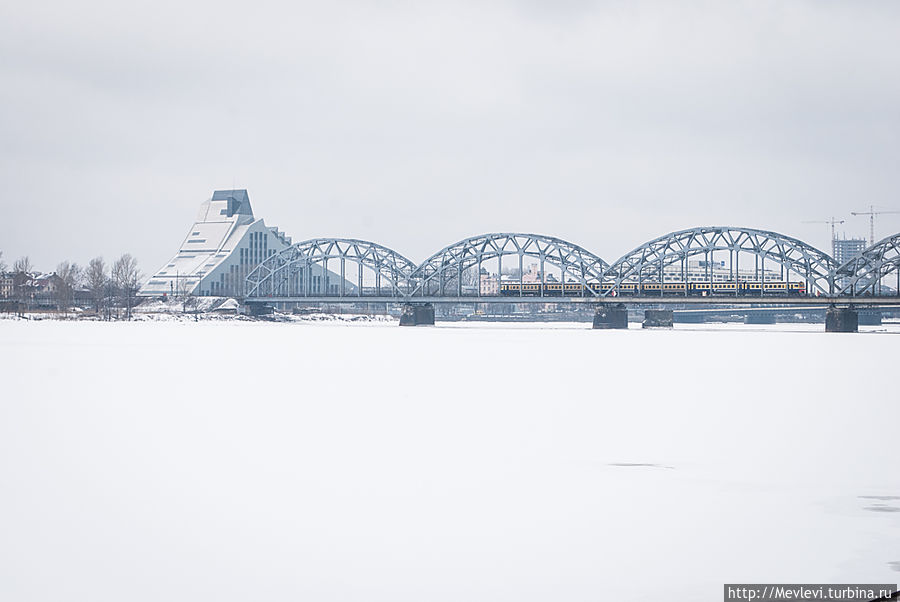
(239, 194)
(229, 203)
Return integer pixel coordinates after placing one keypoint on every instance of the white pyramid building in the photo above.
(221, 248)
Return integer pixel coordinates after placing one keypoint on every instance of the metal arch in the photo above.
(441, 275)
(277, 275)
(796, 256)
(446, 267)
(863, 274)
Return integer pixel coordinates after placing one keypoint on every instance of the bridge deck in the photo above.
(647, 300)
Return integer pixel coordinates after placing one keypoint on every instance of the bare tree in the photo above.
(3, 273)
(109, 298)
(127, 278)
(23, 281)
(470, 276)
(23, 264)
(68, 278)
(95, 279)
(185, 292)
(189, 303)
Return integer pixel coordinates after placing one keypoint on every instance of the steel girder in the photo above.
(444, 270)
(281, 274)
(442, 274)
(648, 261)
(863, 274)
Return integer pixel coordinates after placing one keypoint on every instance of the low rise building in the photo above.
(7, 285)
(489, 284)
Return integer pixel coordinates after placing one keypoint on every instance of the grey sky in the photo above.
(416, 125)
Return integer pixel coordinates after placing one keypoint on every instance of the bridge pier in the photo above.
(610, 317)
(417, 314)
(658, 318)
(841, 319)
(259, 309)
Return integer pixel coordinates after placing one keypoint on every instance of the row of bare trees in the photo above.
(110, 289)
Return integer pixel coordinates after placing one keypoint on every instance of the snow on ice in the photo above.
(233, 460)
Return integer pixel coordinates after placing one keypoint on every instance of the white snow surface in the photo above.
(234, 460)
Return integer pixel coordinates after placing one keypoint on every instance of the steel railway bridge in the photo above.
(705, 265)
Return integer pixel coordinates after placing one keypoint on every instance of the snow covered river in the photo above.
(256, 461)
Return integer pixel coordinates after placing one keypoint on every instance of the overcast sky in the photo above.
(416, 124)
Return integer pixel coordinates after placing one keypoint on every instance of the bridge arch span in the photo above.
(334, 267)
(649, 261)
(445, 273)
(864, 274)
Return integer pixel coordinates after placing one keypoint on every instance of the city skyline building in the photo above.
(843, 249)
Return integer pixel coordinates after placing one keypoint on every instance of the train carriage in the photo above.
(696, 289)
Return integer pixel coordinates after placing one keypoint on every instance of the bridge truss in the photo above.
(456, 269)
(331, 267)
(649, 262)
(865, 273)
(343, 269)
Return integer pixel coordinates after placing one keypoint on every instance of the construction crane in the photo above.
(871, 213)
(833, 222)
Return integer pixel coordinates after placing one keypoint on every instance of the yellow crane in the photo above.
(872, 213)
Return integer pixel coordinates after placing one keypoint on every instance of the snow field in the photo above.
(240, 460)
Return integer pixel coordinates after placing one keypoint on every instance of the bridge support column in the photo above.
(841, 319)
(658, 318)
(259, 309)
(611, 317)
(417, 314)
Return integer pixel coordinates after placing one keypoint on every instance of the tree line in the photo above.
(111, 290)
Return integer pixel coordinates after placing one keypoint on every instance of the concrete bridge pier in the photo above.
(658, 318)
(841, 319)
(259, 309)
(610, 317)
(417, 314)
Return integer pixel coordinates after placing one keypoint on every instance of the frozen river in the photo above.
(256, 461)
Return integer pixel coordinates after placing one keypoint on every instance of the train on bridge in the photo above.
(698, 289)
(251, 260)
